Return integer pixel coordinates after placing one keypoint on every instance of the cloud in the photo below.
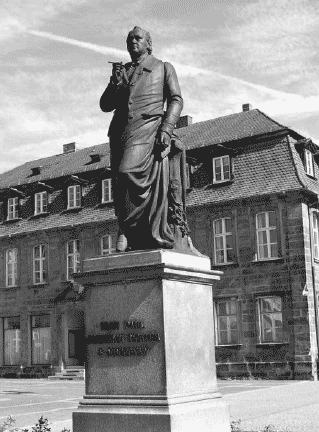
(205, 83)
(18, 15)
(271, 36)
(40, 111)
(183, 70)
(10, 26)
(261, 52)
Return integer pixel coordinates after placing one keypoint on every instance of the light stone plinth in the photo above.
(150, 345)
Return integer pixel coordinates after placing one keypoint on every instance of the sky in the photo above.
(54, 64)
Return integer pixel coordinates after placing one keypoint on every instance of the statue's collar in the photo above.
(147, 63)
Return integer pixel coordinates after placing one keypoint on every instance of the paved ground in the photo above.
(26, 400)
(286, 404)
(290, 404)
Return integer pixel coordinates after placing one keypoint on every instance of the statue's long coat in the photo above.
(141, 177)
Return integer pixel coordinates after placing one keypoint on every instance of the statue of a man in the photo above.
(147, 160)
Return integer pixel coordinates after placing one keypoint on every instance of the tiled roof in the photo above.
(228, 128)
(220, 130)
(259, 169)
(57, 166)
(64, 219)
(264, 166)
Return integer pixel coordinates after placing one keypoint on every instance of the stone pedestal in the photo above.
(150, 345)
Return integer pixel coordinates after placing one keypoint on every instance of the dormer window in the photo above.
(36, 170)
(74, 196)
(307, 151)
(107, 195)
(95, 157)
(13, 208)
(40, 203)
(221, 169)
(108, 243)
(309, 167)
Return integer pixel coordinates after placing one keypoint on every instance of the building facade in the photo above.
(252, 208)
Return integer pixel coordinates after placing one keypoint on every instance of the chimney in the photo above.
(247, 107)
(69, 148)
(184, 121)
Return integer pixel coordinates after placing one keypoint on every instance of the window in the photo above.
(39, 273)
(107, 195)
(223, 241)
(74, 196)
(108, 243)
(40, 203)
(41, 339)
(13, 208)
(73, 258)
(221, 169)
(11, 267)
(12, 341)
(227, 322)
(189, 170)
(315, 233)
(270, 319)
(309, 163)
(267, 246)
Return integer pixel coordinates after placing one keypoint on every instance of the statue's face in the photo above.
(136, 42)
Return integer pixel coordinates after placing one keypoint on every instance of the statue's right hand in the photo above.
(117, 72)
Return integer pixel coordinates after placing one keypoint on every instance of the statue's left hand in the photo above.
(165, 143)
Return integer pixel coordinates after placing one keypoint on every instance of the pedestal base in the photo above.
(150, 363)
(210, 415)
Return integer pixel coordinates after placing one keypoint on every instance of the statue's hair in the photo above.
(147, 37)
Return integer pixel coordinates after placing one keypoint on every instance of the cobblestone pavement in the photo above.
(286, 404)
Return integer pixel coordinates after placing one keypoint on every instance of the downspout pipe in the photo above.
(314, 356)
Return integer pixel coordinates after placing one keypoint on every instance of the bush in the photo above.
(41, 426)
(235, 426)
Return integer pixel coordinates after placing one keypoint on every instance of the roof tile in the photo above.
(228, 128)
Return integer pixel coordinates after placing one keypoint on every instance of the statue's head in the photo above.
(138, 42)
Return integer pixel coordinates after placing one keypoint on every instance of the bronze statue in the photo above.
(147, 158)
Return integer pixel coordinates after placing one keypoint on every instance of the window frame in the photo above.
(14, 213)
(268, 229)
(222, 172)
(76, 201)
(17, 339)
(189, 170)
(315, 235)
(109, 199)
(41, 205)
(42, 337)
(14, 270)
(218, 339)
(224, 234)
(111, 241)
(75, 257)
(261, 339)
(309, 163)
(41, 259)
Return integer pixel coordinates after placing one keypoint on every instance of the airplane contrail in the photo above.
(181, 68)
(86, 45)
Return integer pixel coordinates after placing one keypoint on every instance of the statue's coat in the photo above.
(141, 177)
